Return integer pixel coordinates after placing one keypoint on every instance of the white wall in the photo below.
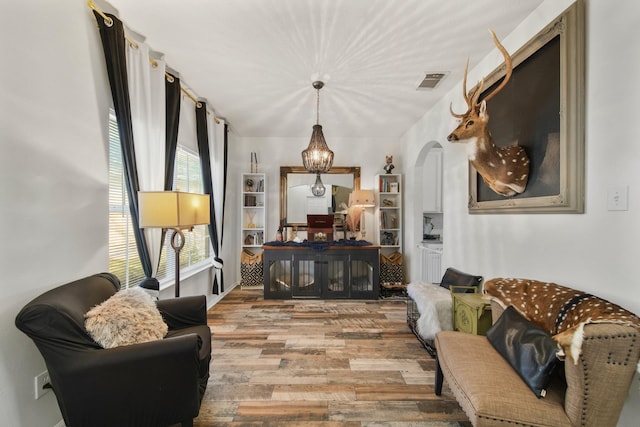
(53, 169)
(54, 178)
(595, 251)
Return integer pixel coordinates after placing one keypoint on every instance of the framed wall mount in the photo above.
(542, 110)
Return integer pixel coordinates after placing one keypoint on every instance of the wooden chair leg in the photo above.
(439, 378)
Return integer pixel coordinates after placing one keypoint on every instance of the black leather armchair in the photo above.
(158, 383)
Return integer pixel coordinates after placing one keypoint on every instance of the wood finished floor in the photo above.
(319, 363)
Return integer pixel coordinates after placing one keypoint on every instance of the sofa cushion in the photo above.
(130, 316)
(529, 349)
(489, 391)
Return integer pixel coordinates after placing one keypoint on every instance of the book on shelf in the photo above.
(250, 200)
(388, 220)
(389, 185)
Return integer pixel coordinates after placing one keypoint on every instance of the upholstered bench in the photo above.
(599, 340)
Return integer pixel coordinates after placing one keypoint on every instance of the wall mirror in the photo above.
(296, 199)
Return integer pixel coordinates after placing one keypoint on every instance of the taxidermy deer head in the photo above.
(504, 169)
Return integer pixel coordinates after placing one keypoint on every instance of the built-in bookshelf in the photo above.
(389, 211)
(253, 210)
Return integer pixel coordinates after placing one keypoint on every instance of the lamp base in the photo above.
(177, 243)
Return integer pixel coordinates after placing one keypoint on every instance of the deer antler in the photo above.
(471, 97)
(508, 64)
(464, 94)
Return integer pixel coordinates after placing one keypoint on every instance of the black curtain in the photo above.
(172, 90)
(224, 194)
(207, 183)
(113, 44)
(172, 114)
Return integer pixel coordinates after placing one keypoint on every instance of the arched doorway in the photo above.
(428, 185)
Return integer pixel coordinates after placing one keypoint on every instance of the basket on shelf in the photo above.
(251, 271)
(392, 279)
(391, 269)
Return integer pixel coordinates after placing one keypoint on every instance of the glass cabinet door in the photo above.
(280, 276)
(305, 280)
(336, 274)
(361, 279)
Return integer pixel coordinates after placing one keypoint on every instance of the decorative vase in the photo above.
(251, 216)
(427, 226)
(254, 162)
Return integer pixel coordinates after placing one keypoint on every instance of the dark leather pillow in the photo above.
(453, 277)
(529, 349)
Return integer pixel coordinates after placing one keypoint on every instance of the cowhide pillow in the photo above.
(130, 316)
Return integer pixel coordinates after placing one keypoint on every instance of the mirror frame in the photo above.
(285, 170)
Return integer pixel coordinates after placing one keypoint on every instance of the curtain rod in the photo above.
(198, 103)
(109, 22)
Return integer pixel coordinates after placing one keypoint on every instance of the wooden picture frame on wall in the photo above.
(542, 110)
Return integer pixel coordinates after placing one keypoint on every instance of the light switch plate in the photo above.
(618, 198)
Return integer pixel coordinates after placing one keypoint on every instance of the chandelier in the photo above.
(317, 158)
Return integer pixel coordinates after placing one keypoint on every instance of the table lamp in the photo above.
(362, 199)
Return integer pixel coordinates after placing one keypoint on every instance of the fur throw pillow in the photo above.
(130, 316)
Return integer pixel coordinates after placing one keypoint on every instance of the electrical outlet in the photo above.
(42, 384)
(618, 199)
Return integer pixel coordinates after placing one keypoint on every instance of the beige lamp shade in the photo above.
(362, 199)
(172, 209)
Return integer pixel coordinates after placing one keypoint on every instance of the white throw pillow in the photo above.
(130, 316)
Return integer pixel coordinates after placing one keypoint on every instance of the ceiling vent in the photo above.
(431, 80)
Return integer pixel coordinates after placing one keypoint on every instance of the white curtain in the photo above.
(146, 74)
(215, 133)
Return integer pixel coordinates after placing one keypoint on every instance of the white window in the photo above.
(124, 261)
(187, 177)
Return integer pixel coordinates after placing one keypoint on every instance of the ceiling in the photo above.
(255, 60)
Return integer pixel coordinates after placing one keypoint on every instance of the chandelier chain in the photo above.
(318, 106)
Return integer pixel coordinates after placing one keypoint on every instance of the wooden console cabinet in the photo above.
(336, 272)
